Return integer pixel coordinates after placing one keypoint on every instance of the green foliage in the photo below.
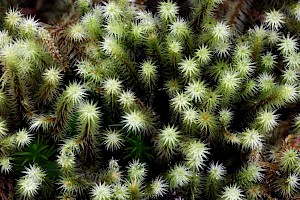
(39, 152)
(137, 148)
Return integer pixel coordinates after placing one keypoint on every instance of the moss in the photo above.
(135, 105)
